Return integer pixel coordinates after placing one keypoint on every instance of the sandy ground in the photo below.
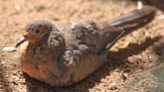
(127, 59)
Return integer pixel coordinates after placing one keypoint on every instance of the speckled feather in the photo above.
(62, 54)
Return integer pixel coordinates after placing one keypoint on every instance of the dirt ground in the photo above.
(127, 59)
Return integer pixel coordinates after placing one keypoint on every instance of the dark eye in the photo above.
(37, 31)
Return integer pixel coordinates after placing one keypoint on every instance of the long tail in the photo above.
(134, 20)
(124, 25)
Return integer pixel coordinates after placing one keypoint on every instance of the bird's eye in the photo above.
(37, 31)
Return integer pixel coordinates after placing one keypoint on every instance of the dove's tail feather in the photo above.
(134, 20)
(124, 25)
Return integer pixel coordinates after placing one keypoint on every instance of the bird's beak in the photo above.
(23, 39)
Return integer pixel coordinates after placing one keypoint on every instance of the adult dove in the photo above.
(62, 54)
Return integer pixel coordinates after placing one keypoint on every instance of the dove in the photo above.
(65, 53)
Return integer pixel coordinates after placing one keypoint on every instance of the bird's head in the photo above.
(35, 31)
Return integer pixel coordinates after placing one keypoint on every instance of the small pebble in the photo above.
(8, 48)
(17, 7)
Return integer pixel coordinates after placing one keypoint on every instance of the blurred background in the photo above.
(156, 3)
(129, 59)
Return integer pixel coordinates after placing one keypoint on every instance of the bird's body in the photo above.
(62, 54)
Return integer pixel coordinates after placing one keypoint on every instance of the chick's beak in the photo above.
(23, 39)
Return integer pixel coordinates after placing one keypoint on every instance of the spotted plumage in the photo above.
(62, 54)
